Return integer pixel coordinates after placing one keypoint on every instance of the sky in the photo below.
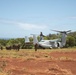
(20, 18)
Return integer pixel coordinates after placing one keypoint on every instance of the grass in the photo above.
(28, 53)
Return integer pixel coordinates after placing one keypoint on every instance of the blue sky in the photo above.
(20, 18)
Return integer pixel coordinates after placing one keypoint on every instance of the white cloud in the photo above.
(25, 26)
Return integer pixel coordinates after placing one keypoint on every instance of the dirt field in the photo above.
(42, 62)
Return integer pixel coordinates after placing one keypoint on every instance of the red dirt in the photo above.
(56, 63)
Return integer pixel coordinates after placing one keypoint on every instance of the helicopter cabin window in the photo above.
(42, 41)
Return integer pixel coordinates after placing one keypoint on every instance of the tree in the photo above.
(70, 41)
(73, 34)
(3, 42)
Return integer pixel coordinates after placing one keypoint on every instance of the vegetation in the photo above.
(70, 42)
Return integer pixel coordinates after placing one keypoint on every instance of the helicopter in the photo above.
(55, 43)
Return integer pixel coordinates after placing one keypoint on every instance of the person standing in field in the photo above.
(41, 36)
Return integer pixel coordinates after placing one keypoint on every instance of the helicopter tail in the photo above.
(35, 41)
(26, 39)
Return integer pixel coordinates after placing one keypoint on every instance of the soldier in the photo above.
(1, 48)
(36, 47)
(41, 36)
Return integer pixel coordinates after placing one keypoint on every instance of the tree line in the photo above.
(70, 40)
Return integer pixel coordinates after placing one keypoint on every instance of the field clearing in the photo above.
(41, 62)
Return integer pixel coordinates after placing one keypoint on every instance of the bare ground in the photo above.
(38, 63)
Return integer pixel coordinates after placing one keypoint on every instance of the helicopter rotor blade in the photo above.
(62, 31)
(68, 31)
(56, 31)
